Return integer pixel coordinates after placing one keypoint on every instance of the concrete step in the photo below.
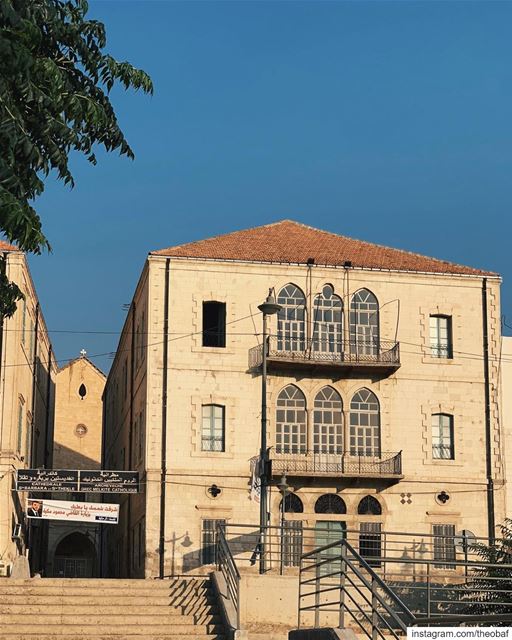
(53, 608)
(91, 630)
(78, 590)
(87, 599)
(101, 636)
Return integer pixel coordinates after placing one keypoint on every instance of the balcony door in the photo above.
(328, 430)
(364, 324)
(327, 532)
(327, 329)
(291, 320)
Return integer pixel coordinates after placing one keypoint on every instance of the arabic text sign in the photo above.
(73, 511)
(47, 480)
(59, 480)
(109, 481)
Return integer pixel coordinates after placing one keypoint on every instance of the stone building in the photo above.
(27, 381)
(382, 394)
(74, 547)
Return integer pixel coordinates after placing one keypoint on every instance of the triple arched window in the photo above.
(328, 432)
(327, 331)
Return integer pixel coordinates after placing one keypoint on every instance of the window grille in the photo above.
(208, 540)
(369, 506)
(444, 545)
(330, 503)
(370, 543)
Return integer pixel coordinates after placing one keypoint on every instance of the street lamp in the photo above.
(268, 308)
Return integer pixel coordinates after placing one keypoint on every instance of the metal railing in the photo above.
(227, 566)
(337, 584)
(343, 464)
(329, 571)
(379, 580)
(302, 350)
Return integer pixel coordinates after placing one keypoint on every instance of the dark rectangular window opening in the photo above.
(370, 543)
(209, 540)
(214, 324)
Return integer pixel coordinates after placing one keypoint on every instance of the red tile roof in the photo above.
(292, 242)
(5, 246)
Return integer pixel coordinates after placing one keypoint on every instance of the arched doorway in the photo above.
(75, 557)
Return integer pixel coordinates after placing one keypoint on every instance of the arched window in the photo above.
(291, 434)
(369, 506)
(330, 503)
(292, 504)
(291, 319)
(328, 422)
(82, 391)
(328, 314)
(364, 323)
(365, 424)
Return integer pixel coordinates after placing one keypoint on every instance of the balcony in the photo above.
(381, 356)
(344, 465)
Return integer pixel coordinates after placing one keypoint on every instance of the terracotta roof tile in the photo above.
(5, 246)
(292, 242)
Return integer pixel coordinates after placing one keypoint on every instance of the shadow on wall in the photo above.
(66, 458)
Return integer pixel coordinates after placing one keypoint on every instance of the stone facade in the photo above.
(74, 547)
(506, 399)
(27, 388)
(163, 380)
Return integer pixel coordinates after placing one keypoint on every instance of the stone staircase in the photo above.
(108, 609)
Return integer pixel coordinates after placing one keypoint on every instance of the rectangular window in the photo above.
(292, 543)
(442, 437)
(441, 337)
(20, 426)
(212, 431)
(370, 545)
(444, 545)
(214, 324)
(208, 540)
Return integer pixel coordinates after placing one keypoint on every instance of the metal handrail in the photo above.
(365, 596)
(227, 566)
(346, 463)
(351, 352)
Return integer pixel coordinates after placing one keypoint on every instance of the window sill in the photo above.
(431, 360)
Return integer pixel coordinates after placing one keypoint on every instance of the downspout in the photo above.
(33, 452)
(48, 458)
(163, 472)
(130, 440)
(488, 454)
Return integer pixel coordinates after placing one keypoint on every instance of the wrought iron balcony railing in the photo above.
(387, 464)
(299, 351)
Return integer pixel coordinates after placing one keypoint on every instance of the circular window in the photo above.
(330, 503)
(80, 430)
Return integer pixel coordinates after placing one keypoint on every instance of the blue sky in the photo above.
(385, 121)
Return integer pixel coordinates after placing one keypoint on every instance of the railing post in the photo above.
(429, 612)
(341, 623)
(317, 591)
(375, 617)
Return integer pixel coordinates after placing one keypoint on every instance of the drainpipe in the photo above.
(48, 458)
(488, 440)
(163, 471)
(33, 452)
(130, 442)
